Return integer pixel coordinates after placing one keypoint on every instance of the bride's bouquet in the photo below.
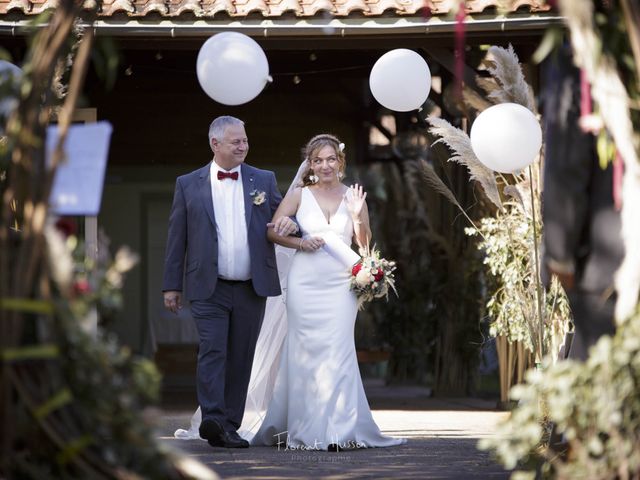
(372, 277)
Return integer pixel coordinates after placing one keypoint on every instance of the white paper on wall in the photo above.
(77, 186)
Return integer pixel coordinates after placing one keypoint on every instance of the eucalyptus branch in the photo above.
(51, 432)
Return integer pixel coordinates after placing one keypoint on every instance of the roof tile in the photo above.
(277, 8)
(143, 7)
(248, 6)
(211, 7)
(283, 6)
(39, 6)
(110, 7)
(20, 5)
(345, 7)
(311, 7)
(178, 7)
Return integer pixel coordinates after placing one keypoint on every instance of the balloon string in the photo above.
(459, 47)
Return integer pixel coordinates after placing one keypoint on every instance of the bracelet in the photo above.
(300, 245)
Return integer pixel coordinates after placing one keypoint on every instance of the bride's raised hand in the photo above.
(355, 198)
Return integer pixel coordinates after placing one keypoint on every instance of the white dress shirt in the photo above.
(234, 262)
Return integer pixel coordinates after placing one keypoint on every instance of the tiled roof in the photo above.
(275, 8)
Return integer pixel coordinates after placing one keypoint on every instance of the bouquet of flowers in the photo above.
(372, 277)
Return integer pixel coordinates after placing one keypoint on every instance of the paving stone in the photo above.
(442, 437)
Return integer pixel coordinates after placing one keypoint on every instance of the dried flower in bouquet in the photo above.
(372, 277)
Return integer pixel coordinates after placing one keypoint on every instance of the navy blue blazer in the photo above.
(193, 241)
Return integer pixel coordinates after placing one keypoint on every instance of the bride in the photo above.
(305, 390)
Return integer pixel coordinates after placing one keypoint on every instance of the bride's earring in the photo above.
(314, 178)
(340, 175)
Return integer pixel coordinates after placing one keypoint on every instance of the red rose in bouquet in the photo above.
(372, 277)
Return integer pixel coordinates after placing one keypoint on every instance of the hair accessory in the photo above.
(341, 147)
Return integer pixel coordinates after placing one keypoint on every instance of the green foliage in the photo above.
(405, 324)
(74, 403)
(507, 243)
(114, 391)
(595, 405)
(4, 54)
(432, 328)
(99, 396)
(97, 283)
(113, 397)
(106, 60)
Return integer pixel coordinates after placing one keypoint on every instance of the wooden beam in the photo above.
(447, 60)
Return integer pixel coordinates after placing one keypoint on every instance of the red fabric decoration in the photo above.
(459, 47)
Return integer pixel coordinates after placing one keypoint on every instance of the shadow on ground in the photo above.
(442, 438)
(424, 458)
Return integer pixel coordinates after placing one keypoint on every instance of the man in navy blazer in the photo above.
(217, 242)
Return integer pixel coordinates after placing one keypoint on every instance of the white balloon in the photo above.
(506, 137)
(400, 80)
(232, 68)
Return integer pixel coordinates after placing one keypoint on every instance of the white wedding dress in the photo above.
(318, 398)
(305, 389)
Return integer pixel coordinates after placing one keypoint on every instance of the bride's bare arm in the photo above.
(288, 208)
(362, 229)
(357, 207)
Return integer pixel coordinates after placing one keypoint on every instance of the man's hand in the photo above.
(284, 226)
(172, 300)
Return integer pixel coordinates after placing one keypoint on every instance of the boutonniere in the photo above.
(258, 196)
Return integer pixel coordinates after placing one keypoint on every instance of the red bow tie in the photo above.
(232, 175)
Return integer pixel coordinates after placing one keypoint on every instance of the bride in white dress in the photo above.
(308, 380)
(318, 399)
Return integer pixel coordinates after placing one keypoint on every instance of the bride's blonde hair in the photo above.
(317, 143)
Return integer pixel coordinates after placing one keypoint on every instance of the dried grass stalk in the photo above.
(521, 193)
(503, 64)
(459, 143)
(489, 84)
(435, 182)
(475, 100)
